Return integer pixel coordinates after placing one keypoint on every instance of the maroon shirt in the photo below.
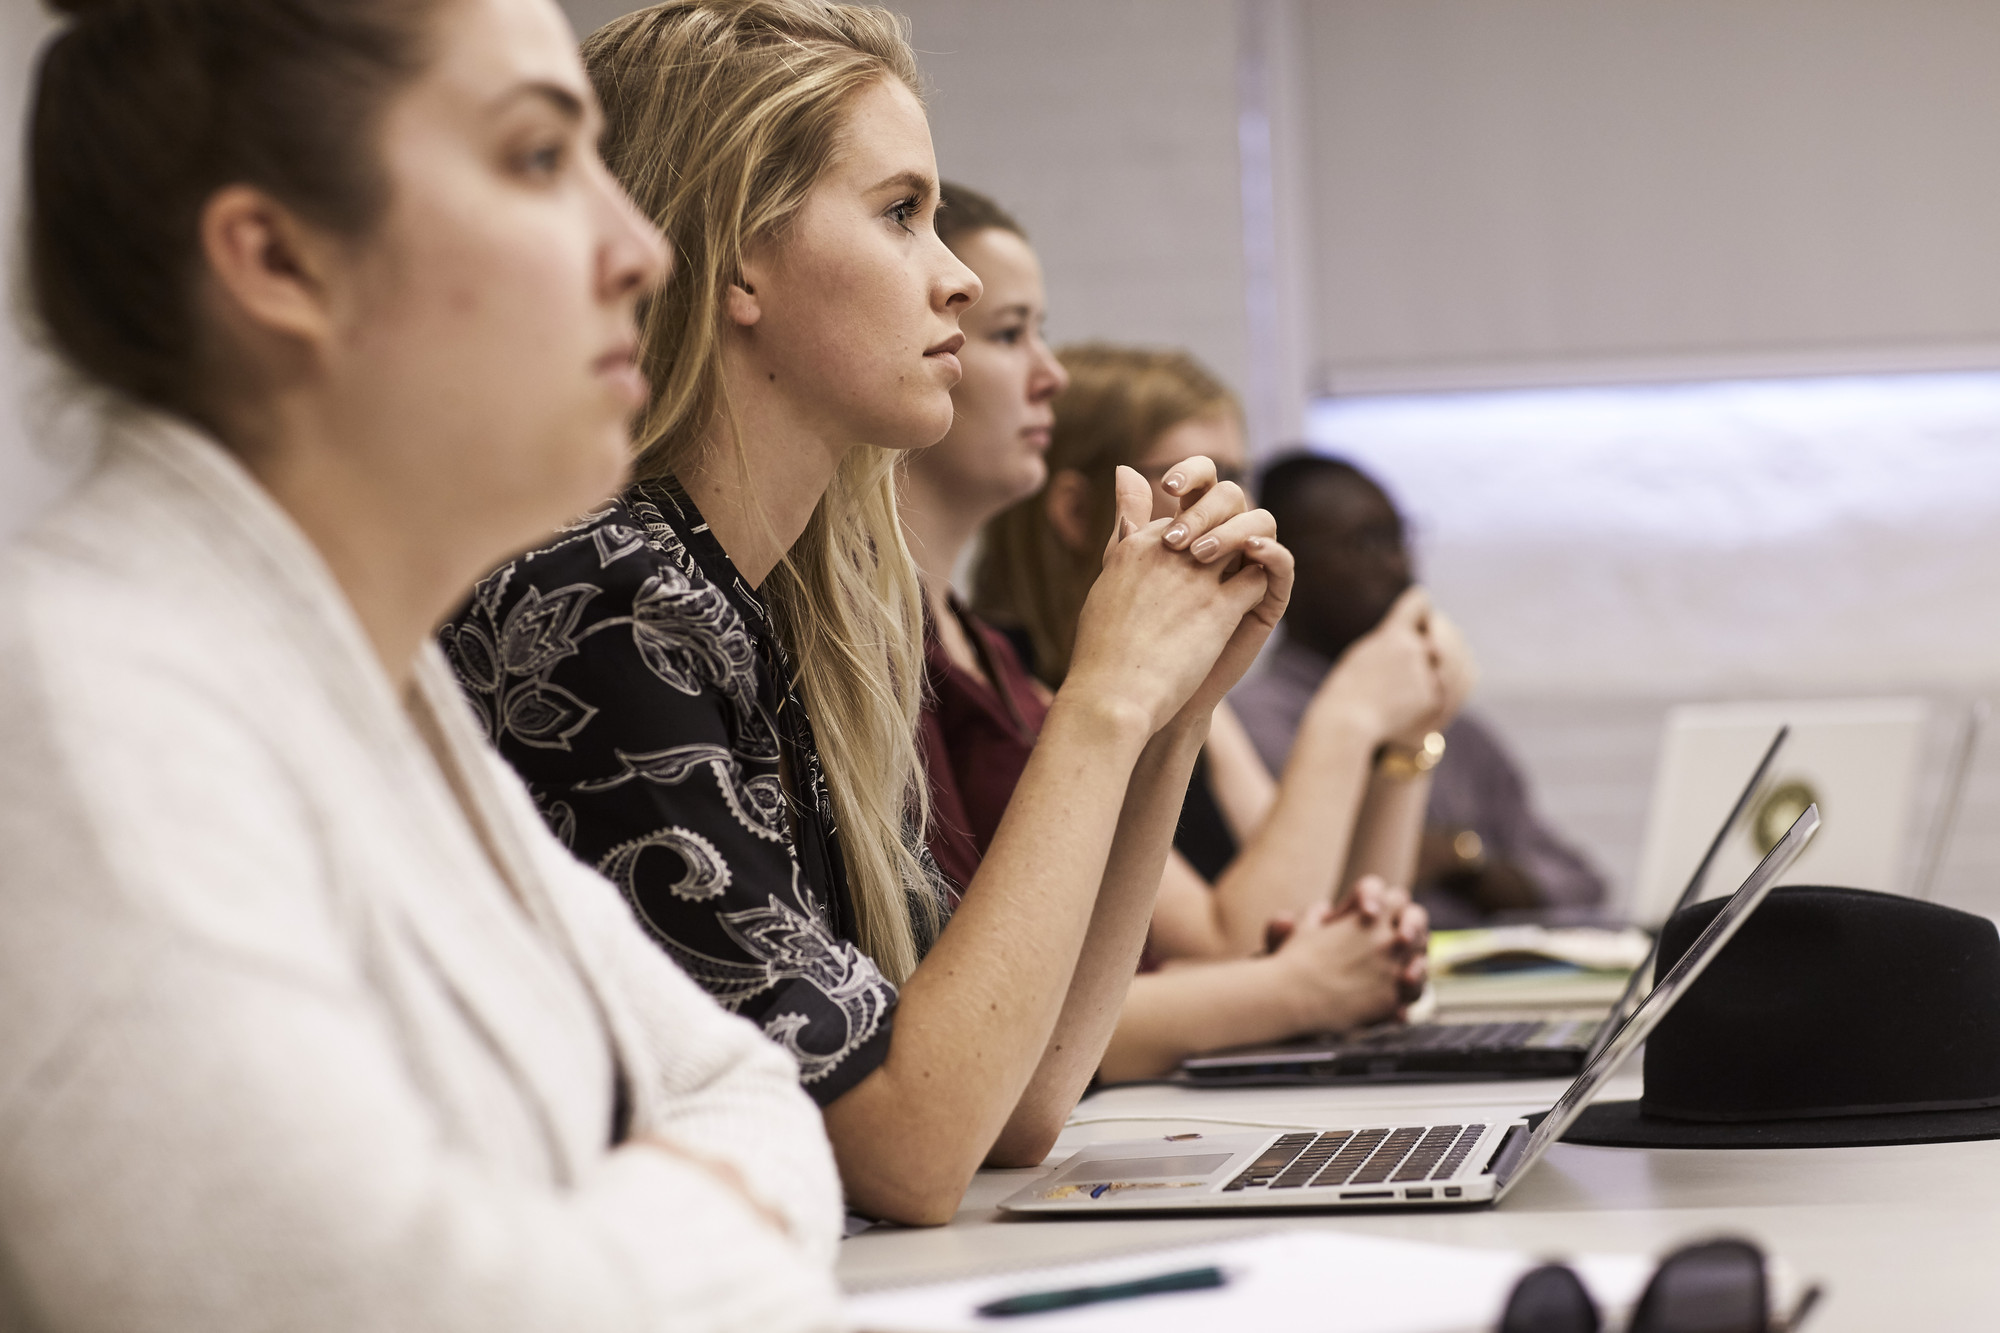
(976, 738)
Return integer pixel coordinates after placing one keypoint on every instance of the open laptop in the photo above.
(1435, 1052)
(1397, 1165)
(1860, 760)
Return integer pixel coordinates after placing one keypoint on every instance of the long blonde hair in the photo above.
(1119, 402)
(721, 115)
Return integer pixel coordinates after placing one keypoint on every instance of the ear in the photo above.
(1067, 503)
(741, 301)
(268, 268)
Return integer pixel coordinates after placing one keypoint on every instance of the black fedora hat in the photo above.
(1836, 1018)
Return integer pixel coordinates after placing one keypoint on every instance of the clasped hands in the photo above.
(1183, 603)
(1373, 947)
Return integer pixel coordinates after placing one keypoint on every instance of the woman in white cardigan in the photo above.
(305, 1021)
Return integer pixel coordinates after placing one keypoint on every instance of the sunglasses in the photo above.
(1716, 1286)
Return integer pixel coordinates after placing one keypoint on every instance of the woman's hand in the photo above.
(1388, 683)
(1373, 899)
(1168, 630)
(1344, 969)
(1217, 527)
(1457, 673)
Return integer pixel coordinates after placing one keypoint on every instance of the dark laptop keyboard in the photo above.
(1360, 1157)
(1423, 1050)
(1471, 1036)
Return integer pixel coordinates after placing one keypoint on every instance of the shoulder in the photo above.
(624, 564)
(607, 554)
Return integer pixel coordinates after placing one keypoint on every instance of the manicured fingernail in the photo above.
(1206, 547)
(1254, 544)
(1177, 534)
(1173, 483)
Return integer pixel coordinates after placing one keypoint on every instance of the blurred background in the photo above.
(1674, 325)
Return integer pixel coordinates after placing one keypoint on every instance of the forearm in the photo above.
(1390, 829)
(974, 1022)
(1295, 859)
(1109, 958)
(1184, 1011)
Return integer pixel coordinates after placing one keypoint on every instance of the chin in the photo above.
(921, 428)
(1033, 476)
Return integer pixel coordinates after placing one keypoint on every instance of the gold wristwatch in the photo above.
(1401, 761)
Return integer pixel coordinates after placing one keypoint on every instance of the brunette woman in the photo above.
(713, 684)
(309, 1022)
(1335, 970)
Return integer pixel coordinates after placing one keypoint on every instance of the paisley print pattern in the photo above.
(633, 679)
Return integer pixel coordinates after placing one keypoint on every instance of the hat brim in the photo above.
(1624, 1125)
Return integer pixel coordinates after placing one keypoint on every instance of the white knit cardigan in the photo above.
(278, 1046)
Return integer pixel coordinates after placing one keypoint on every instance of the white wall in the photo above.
(1109, 127)
(1561, 190)
(29, 475)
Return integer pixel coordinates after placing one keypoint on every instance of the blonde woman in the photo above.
(1335, 970)
(310, 1024)
(713, 684)
(1338, 815)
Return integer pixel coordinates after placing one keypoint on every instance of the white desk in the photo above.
(1906, 1240)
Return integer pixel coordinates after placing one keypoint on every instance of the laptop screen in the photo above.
(1629, 998)
(1663, 996)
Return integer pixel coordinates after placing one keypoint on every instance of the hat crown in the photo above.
(1830, 1002)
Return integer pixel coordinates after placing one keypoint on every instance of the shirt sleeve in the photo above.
(623, 691)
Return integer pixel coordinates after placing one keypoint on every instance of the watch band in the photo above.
(1402, 761)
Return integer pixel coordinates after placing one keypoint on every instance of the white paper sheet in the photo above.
(1325, 1281)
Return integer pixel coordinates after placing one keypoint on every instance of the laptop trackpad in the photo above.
(1146, 1168)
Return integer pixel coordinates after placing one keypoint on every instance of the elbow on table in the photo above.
(1026, 1144)
(914, 1198)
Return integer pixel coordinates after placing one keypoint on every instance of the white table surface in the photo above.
(1904, 1239)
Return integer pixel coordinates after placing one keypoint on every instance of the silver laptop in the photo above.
(1402, 1165)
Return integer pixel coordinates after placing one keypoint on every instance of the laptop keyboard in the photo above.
(1360, 1157)
(1479, 1036)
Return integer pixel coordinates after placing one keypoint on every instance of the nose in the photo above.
(633, 257)
(957, 286)
(1047, 376)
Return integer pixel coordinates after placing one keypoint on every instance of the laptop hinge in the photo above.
(1508, 1154)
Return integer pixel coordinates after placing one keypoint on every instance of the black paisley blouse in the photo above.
(633, 679)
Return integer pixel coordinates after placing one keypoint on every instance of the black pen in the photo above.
(1038, 1302)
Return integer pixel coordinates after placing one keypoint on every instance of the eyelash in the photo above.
(903, 210)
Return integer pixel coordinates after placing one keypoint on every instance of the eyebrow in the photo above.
(565, 103)
(920, 182)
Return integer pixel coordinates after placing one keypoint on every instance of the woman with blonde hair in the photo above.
(712, 685)
(1349, 806)
(1335, 970)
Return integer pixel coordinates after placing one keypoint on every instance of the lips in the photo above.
(946, 353)
(620, 368)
